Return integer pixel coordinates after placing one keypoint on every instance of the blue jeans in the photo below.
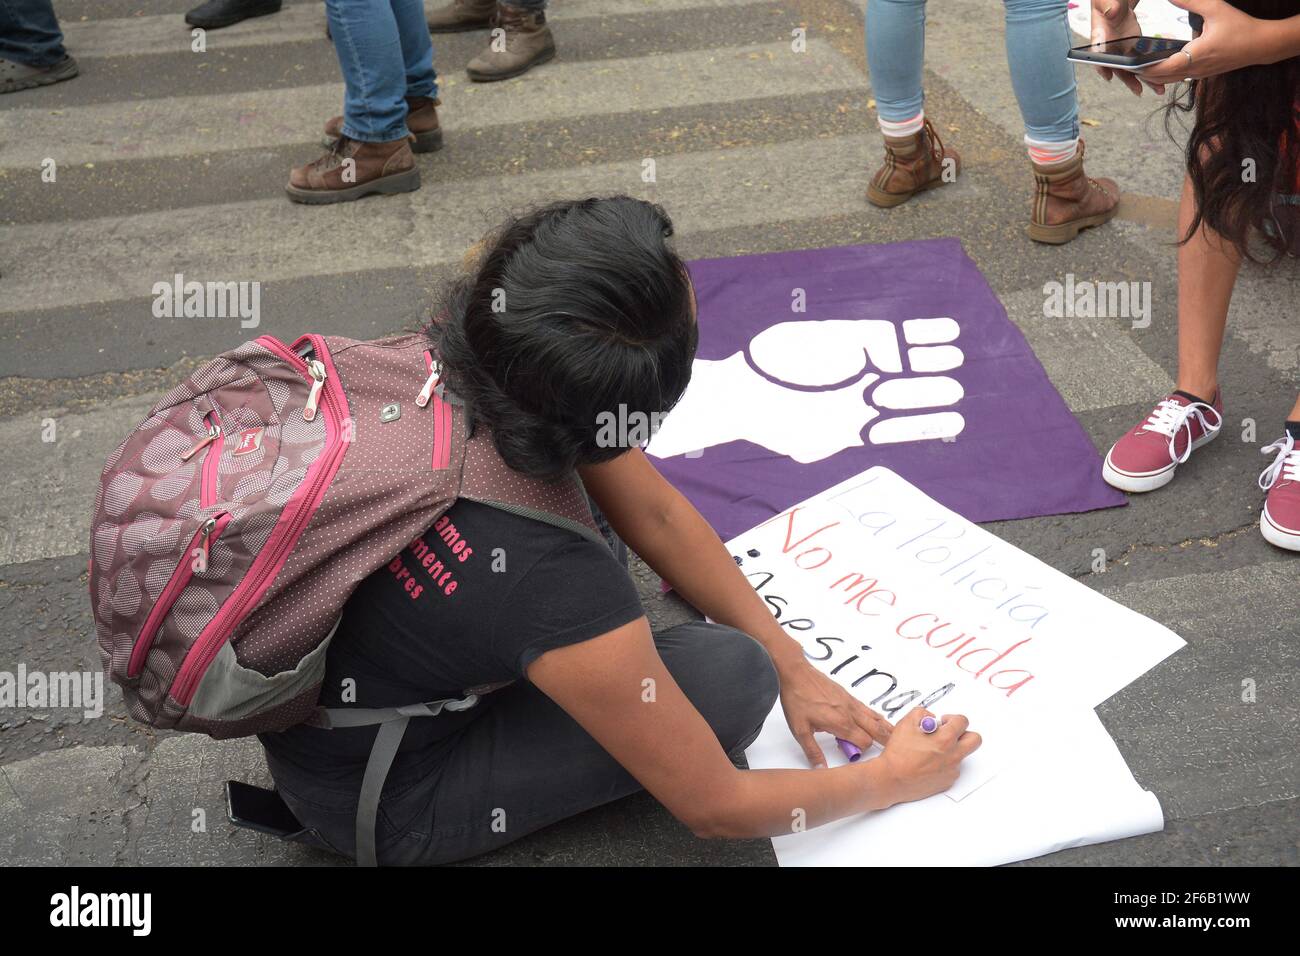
(29, 33)
(385, 54)
(1038, 37)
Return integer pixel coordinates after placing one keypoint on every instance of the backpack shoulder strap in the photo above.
(490, 481)
(392, 723)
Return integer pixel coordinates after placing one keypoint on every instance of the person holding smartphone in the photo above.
(1240, 199)
(599, 314)
(1234, 39)
(1065, 199)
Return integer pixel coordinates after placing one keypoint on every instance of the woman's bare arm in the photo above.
(618, 689)
(661, 526)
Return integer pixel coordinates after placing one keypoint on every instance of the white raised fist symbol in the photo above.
(808, 389)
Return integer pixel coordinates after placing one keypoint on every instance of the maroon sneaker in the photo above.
(1147, 457)
(1280, 520)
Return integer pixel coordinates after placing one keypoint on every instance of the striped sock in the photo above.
(905, 128)
(1049, 154)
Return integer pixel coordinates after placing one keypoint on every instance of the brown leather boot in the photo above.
(1066, 201)
(913, 164)
(461, 15)
(353, 169)
(421, 120)
(527, 43)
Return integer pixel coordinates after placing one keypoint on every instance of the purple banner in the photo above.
(816, 364)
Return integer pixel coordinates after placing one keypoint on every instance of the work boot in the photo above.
(913, 164)
(421, 120)
(216, 14)
(1066, 200)
(462, 15)
(15, 76)
(352, 169)
(527, 43)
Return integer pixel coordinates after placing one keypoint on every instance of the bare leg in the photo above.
(1207, 271)
(1295, 411)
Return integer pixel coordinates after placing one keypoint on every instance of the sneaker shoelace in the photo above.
(1171, 417)
(1285, 466)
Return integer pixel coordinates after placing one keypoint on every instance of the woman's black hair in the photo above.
(572, 312)
(1244, 147)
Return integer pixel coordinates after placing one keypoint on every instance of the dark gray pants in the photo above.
(525, 763)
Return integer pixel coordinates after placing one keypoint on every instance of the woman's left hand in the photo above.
(1231, 40)
(814, 702)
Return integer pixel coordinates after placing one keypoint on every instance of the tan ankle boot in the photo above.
(421, 120)
(352, 169)
(913, 164)
(461, 15)
(1066, 200)
(527, 43)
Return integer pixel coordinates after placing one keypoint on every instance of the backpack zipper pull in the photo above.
(214, 432)
(206, 534)
(317, 370)
(435, 373)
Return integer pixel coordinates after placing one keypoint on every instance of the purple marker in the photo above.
(850, 750)
(929, 724)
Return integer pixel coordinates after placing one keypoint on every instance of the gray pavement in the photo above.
(171, 161)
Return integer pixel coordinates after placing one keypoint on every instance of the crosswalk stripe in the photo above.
(264, 240)
(179, 126)
(303, 22)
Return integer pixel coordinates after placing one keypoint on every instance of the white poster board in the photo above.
(1073, 792)
(906, 603)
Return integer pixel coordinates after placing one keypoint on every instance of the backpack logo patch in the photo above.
(250, 440)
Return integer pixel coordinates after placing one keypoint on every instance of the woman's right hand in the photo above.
(918, 764)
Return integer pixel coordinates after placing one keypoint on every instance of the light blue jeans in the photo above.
(385, 54)
(1038, 38)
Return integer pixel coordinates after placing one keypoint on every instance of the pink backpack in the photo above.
(234, 522)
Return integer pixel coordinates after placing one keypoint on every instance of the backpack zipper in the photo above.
(214, 432)
(287, 530)
(211, 461)
(211, 445)
(317, 372)
(442, 435)
(441, 412)
(435, 373)
(208, 532)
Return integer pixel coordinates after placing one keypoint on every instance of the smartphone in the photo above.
(259, 809)
(1127, 53)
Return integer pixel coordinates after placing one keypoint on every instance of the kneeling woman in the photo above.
(574, 310)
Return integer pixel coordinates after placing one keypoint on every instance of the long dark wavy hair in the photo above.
(565, 313)
(1249, 117)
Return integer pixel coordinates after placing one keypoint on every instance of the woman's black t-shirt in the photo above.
(474, 600)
